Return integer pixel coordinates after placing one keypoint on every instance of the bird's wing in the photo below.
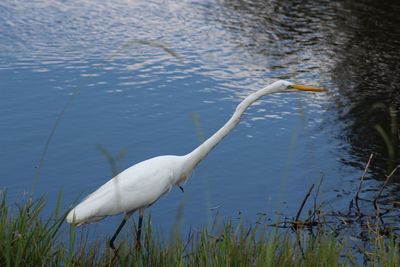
(136, 187)
(142, 190)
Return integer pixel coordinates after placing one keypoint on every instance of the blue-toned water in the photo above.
(83, 80)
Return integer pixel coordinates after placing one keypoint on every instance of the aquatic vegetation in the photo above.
(28, 239)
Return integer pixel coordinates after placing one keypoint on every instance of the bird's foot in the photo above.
(116, 257)
(138, 245)
(111, 244)
(181, 188)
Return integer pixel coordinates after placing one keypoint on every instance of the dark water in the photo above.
(83, 80)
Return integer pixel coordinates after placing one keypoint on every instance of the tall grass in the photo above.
(28, 239)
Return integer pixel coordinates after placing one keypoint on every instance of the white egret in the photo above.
(139, 186)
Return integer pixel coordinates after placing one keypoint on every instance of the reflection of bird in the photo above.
(139, 186)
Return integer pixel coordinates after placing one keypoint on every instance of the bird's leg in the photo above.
(126, 217)
(181, 188)
(139, 230)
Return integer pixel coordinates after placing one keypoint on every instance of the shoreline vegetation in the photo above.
(367, 233)
(28, 239)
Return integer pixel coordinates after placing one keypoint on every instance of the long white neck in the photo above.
(197, 155)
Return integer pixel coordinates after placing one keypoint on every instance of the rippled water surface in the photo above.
(85, 81)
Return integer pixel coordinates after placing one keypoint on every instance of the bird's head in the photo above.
(285, 86)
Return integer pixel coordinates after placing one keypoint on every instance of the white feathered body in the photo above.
(144, 183)
(136, 187)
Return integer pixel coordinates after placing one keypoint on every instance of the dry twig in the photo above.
(361, 182)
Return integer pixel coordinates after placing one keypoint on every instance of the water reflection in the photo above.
(291, 33)
(356, 44)
(226, 49)
(366, 72)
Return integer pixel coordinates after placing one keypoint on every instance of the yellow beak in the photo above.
(307, 88)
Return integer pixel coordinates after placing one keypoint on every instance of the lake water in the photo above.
(83, 80)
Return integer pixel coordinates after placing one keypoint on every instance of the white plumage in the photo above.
(141, 185)
(136, 187)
